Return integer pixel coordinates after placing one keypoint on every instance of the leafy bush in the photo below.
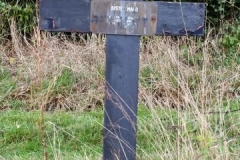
(231, 43)
(217, 10)
(22, 13)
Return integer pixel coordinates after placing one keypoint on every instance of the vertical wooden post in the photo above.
(122, 67)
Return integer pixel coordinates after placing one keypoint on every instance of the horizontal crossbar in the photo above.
(173, 18)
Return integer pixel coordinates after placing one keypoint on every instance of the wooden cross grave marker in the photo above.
(123, 22)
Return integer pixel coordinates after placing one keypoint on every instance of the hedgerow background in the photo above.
(223, 15)
(24, 11)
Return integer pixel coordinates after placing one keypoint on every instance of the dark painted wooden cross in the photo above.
(123, 22)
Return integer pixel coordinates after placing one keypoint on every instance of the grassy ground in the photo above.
(188, 98)
(69, 135)
(162, 134)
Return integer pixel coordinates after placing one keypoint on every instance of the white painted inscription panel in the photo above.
(123, 17)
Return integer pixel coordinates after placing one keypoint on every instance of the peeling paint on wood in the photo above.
(174, 18)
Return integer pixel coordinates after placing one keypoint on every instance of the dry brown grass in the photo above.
(175, 73)
(180, 73)
(32, 62)
(177, 81)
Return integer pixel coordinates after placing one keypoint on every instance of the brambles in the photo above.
(24, 14)
(231, 42)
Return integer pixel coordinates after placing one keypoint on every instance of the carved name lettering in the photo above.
(117, 8)
(122, 8)
(132, 9)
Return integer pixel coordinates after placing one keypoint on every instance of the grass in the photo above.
(71, 135)
(68, 134)
(188, 98)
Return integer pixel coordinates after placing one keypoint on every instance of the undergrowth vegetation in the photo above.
(188, 97)
(189, 94)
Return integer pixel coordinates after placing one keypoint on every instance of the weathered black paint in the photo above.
(122, 66)
(65, 15)
(121, 97)
(174, 18)
(180, 19)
